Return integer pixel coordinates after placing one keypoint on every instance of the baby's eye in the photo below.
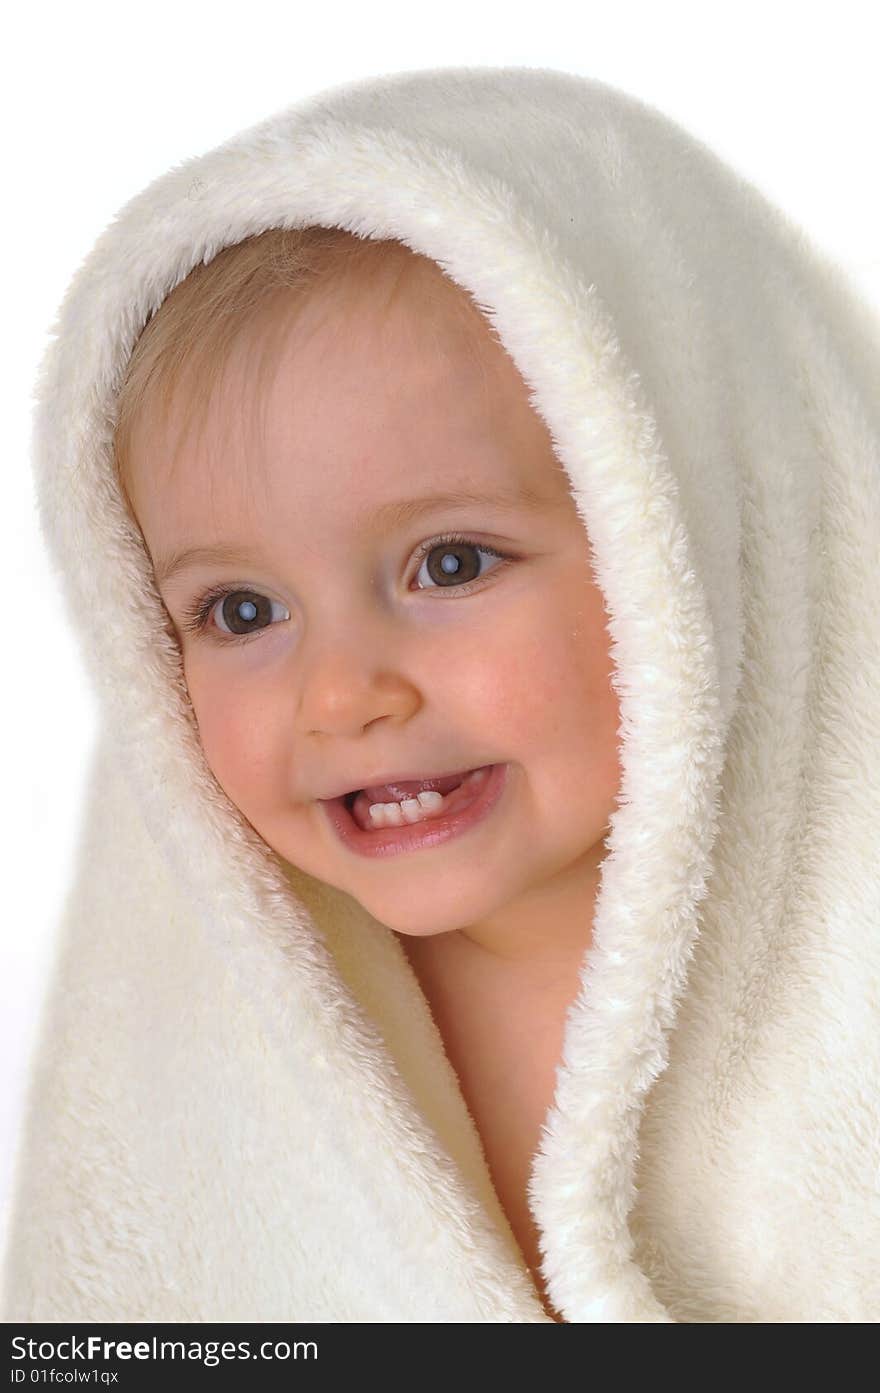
(244, 610)
(451, 562)
(239, 613)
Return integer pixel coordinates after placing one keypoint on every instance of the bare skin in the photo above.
(392, 387)
(504, 1040)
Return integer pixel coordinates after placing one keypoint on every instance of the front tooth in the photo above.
(430, 798)
(409, 810)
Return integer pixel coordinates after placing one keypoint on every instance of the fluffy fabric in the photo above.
(241, 1108)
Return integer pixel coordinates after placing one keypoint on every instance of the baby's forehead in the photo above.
(407, 305)
(401, 377)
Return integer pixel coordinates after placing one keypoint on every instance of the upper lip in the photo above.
(372, 780)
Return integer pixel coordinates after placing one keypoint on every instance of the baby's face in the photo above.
(362, 657)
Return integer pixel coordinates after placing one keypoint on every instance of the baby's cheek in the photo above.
(541, 669)
(505, 683)
(235, 741)
(554, 687)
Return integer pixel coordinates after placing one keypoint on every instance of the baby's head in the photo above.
(354, 412)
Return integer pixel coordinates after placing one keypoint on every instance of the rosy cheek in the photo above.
(221, 752)
(542, 671)
(226, 735)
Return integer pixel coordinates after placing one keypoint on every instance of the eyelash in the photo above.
(197, 616)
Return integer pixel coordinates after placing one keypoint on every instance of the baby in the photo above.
(381, 587)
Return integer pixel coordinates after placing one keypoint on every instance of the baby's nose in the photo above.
(342, 696)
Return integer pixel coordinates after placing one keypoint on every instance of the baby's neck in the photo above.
(503, 1037)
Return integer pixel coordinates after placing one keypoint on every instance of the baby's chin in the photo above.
(440, 910)
(416, 901)
(409, 922)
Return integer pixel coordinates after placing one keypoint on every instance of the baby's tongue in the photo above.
(393, 793)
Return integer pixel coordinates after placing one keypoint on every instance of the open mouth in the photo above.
(438, 810)
(397, 805)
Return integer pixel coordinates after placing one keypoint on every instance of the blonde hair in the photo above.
(191, 335)
(188, 339)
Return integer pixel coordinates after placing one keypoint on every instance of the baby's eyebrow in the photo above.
(386, 517)
(403, 510)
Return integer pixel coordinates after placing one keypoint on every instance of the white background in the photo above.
(99, 100)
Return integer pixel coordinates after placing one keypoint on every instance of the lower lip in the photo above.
(416, 836)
